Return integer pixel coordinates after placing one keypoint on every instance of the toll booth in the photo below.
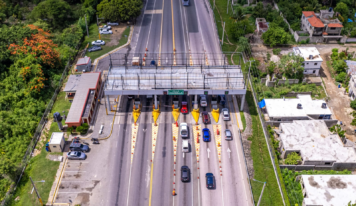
(214, 102)
(176, 102)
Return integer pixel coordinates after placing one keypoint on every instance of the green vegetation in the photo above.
(293, 159)
(119, 10)
(294, 188)
(243, 119)
(83, 128)
(94, 35)
(276, 51)
(337, 129)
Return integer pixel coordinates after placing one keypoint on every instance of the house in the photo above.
(351, 67)
(83, 64)
(84, 90)
(352, 87)
(312, 59)
(321, 27)
(301, 108)
(261, 25)
(316, 145)
(325, 190)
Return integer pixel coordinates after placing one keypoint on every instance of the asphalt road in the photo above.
(167, 26)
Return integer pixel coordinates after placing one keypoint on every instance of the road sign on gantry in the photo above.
(175, 92)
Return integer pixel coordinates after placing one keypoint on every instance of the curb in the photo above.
(96, 61)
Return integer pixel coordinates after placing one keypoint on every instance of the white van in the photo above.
(184, 130)
(185, 146)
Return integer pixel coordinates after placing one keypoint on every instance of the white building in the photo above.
(352, 87)
(316, 145)
(312, 59)
(328, 190)
(301, 108)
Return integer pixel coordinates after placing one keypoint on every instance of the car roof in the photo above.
(204, 112)
(228, 131)
(206, 129)
(183, 124)
(184, 167)
(209, 174)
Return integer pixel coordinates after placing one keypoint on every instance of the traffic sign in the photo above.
(176, 92)
(205, 92)
(226, 92)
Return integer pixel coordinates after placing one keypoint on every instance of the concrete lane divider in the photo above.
(196, 136)
(217, 135)
(134, 134)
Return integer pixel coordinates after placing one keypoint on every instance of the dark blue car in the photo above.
(206, 135)
(210, 182)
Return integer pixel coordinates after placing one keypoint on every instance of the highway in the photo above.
(171, 31)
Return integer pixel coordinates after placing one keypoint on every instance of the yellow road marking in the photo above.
(151, 185)
(174, 44)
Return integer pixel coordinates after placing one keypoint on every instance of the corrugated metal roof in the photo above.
(72, 83)
(88, 81)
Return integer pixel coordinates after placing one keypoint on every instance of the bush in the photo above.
(341, 77)
(335, 50)
(284, 92)
(268, 56)
(292, 159)
(353, 123)
(83, 128)
(307, 41)
(268, 94)
(70, 129)
(353, 104)
(276, 51)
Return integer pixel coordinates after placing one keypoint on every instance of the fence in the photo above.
(38, 131)
(268, 139)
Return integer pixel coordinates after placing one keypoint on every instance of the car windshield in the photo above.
(184, 132)
(79, 153)
(81, 146)
(228, 133)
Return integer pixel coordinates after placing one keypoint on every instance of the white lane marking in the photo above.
(149, 31)
(128, 192)
(222, 191)
(75, 171)
(208, 150)
(148, 175)
(229, 152)
(199, 192)
(73, 192)
(237, 151)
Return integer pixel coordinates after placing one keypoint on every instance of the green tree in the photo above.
(238, 14)
(258, 10)
(122, 10)
(8, 168)
(276, 35)
(292, 159)
(72, 35)
(353, 104)
(271, 67)
(57, 12)
(341, 77)
(243, 45)
(240, 29)
(339, 66)
(343, 9)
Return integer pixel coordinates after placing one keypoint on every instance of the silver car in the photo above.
(106, 27)
(225, 113)
(228, 135)
(113, 23)
(104, 31)
(76, 156)
(98, 42)
(185, 2)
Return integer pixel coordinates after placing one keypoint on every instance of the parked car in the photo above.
(98, 42)
(185, 174)
(185, 2)
(106, 27)
(184, 108)
(206, 118)
(226, 115)
(79, 147)
(206, 135)
(228, 135)
(203, 101)
(76, 156)
(94, 48)
(184, 130)
(210, 180)
(104, 31)
(113, 23)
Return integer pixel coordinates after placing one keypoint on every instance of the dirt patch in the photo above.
(116, 34)
(336, 183)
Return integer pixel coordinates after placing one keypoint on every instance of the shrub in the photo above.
(353, 123)
(70, 129)
(292, 159)
(342, 55)
(341, 77)
(303, 42)
(335, 50)
(268, 94)
(268, 56)
(353, 104)
(83, 128)
(276, 51)
(307, 41)
(284, 92)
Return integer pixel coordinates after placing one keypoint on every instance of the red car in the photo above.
(184, 108)
(206, 118)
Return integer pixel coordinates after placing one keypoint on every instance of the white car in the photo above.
(226, 115)
(113, 23)
(106, 27)
(98, 42)
(184, 130)
(105, 32)
(203, 102)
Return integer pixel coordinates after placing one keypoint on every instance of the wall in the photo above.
(337, 30)
(294, 94)
(298, 38)
(335, 166)
(315, 39)
(329, 122)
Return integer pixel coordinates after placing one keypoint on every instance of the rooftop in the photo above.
(72, 83)
(88, 81)
(288, 107)
(305, 52)
(316, 22)
(335, 25)
(56, 138)
(315, 142)
(352, 66)
(329, 189)
(83, 61)
(308, 13)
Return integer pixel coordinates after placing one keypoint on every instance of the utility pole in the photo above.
(86, 24)
(227, 7)
(223, 35)
(214, 5)
(97, 23)
(38, 195)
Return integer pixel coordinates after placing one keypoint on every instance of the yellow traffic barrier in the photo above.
(136, 113)
(175, 113)
(155, 114)
(216, 114)
(196, 114)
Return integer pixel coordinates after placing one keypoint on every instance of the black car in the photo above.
(210, 180)
(185, 174)
(76, 146)
(94, 48)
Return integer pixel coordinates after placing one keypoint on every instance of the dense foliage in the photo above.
(119, 10)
